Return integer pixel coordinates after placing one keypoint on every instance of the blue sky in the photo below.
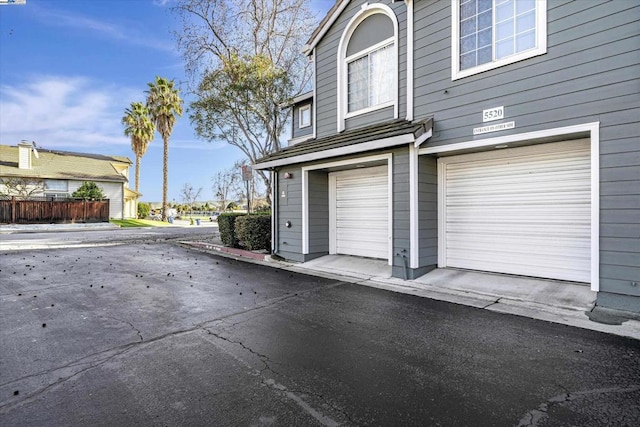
(69, 68)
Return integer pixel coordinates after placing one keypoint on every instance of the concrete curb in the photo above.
(565, 315)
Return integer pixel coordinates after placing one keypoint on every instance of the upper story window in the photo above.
(370, 78)
(304, 116)
(368, 63)
(491, 33)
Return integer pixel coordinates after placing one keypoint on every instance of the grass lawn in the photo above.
(138, 223)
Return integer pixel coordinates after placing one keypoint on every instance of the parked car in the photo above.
(214, 216)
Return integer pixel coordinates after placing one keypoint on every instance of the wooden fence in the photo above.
(17, 211)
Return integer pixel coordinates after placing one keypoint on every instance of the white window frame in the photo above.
(359, 55)
(540, 49)
(342, 108)
(301, 124)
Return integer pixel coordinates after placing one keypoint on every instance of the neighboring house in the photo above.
(491, 135)
(60, 173)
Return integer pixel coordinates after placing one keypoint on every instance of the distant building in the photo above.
(53, 173)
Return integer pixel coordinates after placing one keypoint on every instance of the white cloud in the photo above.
(60, 112)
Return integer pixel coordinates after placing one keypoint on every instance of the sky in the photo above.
(70, 68)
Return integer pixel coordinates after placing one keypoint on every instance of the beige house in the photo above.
(51, 173)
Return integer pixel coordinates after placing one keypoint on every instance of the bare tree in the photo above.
(244, 57)
(190, 195)
(22, 188)
(227, 185)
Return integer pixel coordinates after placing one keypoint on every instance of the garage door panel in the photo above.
(523, 213)
(362, 212)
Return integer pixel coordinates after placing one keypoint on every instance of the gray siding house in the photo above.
(491, 135)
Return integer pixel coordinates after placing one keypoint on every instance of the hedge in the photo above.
(254, 231)
(227, 228)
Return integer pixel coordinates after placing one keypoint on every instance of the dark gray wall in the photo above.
(326, 73)
(428, 211)
(318, 213)
(590, 73)
(290, 209)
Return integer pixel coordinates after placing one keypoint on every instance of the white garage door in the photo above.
(521, 211)
(360, 212)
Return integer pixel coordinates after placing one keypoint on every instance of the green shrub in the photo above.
(143, 210)
(254, 231)
(89, 190)
(227, 229)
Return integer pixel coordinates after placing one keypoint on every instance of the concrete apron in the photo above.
(550, 300)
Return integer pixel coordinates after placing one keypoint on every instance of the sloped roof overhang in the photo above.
(385, 135)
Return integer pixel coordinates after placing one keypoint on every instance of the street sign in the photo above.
(247, 173)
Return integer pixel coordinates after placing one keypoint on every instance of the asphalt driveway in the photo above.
(158, 334)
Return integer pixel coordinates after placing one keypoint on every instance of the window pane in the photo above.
(467, 9)
(468, 27)
(504, 10)
(484, 38)
(357, 84)
(305, 116)
(523, 6)
(484, 5)
(381, 83)
(485, 55)
(468, 44)
(468, 60)
(525, 41)
(525, 22)
(504, 30)
(504, 48)
(484, 20)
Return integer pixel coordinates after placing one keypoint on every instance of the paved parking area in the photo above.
(153, 333)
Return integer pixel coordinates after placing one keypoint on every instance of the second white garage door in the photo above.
(359, 212)
(522, 211)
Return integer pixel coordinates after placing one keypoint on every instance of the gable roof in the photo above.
(324, 25)
(383, 135)
(52, 164)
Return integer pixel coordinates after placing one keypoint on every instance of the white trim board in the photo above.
(593, 130)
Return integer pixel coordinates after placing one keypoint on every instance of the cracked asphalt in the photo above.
(151, 333)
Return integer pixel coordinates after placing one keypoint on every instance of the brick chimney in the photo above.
(24, 155)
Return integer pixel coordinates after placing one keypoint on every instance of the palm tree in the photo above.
(140, 128)
(164, 104)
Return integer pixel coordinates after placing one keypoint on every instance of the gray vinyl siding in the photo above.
(428, 211)
(318, 213)
(290, 209)
(590, 73)
(401, 229)
(326, 73)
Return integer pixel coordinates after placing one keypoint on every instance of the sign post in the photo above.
(247, 177)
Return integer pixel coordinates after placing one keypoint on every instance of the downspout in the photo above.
(409, 4)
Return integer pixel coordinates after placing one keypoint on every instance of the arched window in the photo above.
(368, 63)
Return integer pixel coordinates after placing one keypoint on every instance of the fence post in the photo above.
(13, 209)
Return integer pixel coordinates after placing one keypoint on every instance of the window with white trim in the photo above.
(304, 116)
(368, 64)
(492, 33)
(370, 77)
